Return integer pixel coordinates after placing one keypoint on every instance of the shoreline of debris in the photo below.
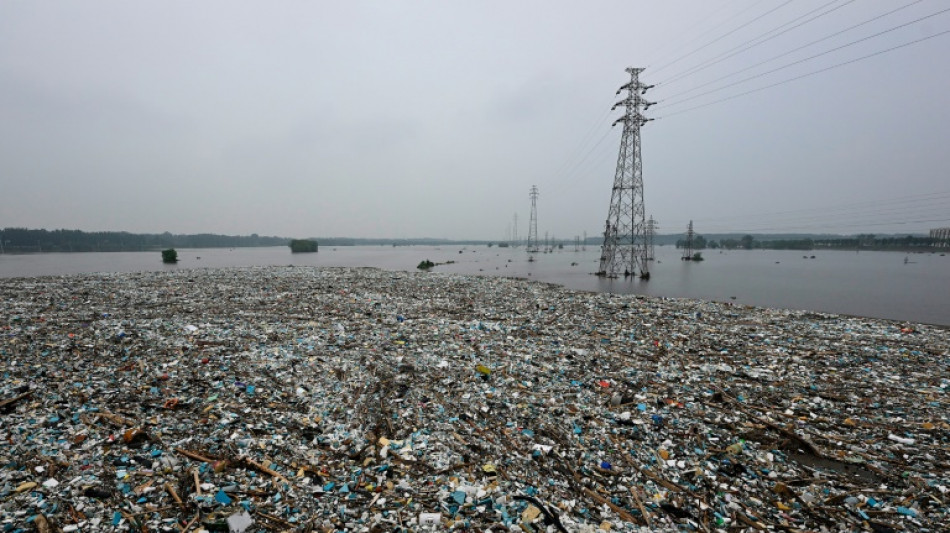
(321, 399)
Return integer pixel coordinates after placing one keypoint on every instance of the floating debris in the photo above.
(303, 399)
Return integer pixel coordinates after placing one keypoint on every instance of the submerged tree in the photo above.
(303, 246)
(169, 256)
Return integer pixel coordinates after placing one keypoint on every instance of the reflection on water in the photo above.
(878, 284)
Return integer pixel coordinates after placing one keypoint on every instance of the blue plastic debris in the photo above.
(222, 498)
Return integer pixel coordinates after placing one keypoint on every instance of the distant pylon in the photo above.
(688, 249)
(514, 232)
(651, 233)
(533, 223)
(624, 249)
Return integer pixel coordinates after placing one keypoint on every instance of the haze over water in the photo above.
(873, 284)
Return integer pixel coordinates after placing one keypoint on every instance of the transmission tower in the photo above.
(533, 223)
(651, 233)
(688, 249)
(625, 247)
(514, 232)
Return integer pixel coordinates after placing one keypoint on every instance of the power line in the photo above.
(585, 139)
(564, 178)
(843, 218)
(865, 218)
(571, 164)
(799, 226)
(738, 49)
(826, 52)
(723, 36)
(904, 45)
(920, 205)
(666, 43)
(916, 200)
(832, 225)
(589, 152)
(928, 197)
(868, 21)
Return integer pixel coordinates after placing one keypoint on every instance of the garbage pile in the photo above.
(303, 399)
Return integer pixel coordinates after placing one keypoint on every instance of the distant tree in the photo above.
(169, 256)
(748, 242)
(697, 256)
(303, 246)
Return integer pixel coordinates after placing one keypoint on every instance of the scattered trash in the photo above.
(430, 519)
(239, 522)
(301, 399)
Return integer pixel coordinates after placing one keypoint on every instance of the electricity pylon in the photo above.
(625, 249)
(533, 223)
(514, 232)
(651, 233)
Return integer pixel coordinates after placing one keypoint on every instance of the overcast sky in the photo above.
(433, 119)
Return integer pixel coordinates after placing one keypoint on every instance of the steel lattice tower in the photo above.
(514, 232)
(533, 223)
(625, 247)
(651, 233)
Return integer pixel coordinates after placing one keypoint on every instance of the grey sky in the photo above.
(433, 119)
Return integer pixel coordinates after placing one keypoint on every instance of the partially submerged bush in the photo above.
(303, 246)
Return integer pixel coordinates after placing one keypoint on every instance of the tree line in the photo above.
(18, 240)
(856, 242)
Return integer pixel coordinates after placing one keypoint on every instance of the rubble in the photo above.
(305, 399)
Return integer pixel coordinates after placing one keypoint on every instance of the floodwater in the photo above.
(874, 284)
